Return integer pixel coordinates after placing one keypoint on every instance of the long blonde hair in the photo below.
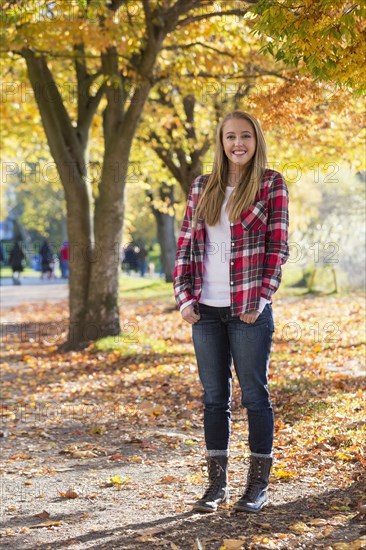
(213, 195)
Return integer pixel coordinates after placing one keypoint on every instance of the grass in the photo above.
(143, 288)
(144, 345)
(28, 272)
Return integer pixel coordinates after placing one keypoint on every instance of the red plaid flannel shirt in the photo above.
(258, 247)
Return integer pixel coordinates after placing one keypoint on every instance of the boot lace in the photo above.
(214, 471)
(253, 482)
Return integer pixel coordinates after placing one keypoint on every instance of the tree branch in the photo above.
(87, 104)
(165, 156)
(114, 5)
(114, 111)
(62, 139)
(187, 46)
(148, 18)
(193, 18)
(171, 16)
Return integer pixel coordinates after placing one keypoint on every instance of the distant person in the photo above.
(2, 256)
(16, 262)
(130, 258)
(141, 260)
(64, 260)
(47, 261)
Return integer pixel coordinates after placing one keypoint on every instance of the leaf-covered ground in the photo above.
(103, 448)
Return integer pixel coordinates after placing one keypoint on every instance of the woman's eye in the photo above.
(244, 137)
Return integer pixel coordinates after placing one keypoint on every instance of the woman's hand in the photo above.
(189, 315)
(250, 316)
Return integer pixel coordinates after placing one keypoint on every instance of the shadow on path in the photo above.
(185, 528)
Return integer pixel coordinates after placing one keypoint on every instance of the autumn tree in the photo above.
(325, 38)
(111, 49)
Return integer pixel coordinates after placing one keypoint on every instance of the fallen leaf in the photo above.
(318, 521)
(83, 454)
(46, 524)
(233, 544)
(300, 527)
(69, 494)
(136, 459)
(284, 474)
(168, 479)
(117, 456)
(98, 429)
(43, 515)
(117, 481)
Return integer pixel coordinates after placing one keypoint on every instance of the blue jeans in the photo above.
(219, 339)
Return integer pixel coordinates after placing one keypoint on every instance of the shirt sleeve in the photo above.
(186, 304)
(277, 249)
(182, 275)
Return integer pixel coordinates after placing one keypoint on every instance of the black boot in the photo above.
(217, 490)
(255, 493)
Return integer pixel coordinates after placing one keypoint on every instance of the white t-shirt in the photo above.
(216, 271)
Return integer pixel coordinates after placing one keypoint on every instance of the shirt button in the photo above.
(232, 244)
(231, 282)
(232, 263)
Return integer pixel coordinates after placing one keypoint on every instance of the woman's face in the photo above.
(239, 142)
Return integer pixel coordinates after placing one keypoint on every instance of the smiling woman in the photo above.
(228, 265)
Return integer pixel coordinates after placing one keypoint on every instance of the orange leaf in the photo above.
(117, 456)
(69, 494)
(43, 515)
(168, 479)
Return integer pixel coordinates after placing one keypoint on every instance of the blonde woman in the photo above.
(230, 250)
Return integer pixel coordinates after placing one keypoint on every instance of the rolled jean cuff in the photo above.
(217, 452)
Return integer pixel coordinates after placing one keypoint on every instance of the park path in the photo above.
(32, 289)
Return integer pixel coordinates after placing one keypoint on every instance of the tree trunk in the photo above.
(311, 280)
(334, 273)
(68, 152)
(166, 236)
(103, 310)
(78, 226)
(166, 224)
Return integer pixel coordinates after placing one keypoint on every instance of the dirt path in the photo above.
(158, 471)
(106, 451)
